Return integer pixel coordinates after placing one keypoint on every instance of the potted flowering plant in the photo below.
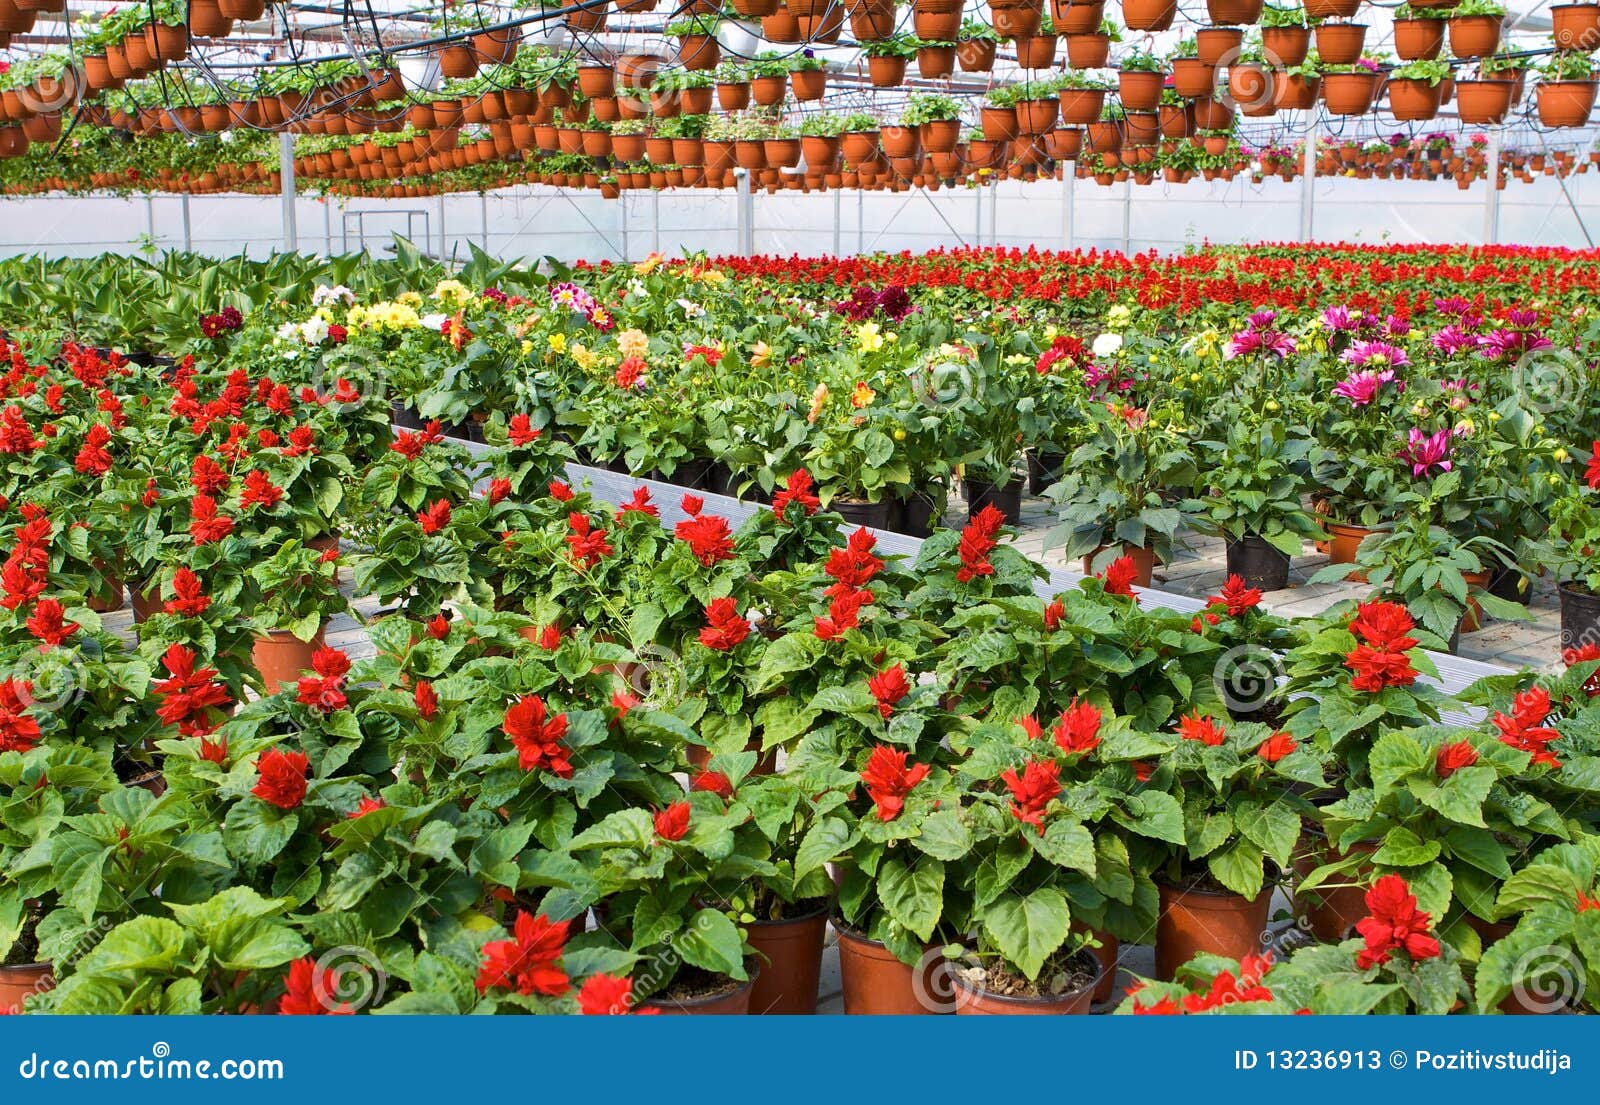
(291, 594)
(1547, 961)
(1255, 479)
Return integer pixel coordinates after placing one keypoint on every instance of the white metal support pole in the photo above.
(1127, 214)
(327, 227)
(483, 213)
(994, 212)
(655, 220)
(1491, 199)
(443, 247)
(1069, 183)
(188, 230)
(291, 236)
(861, 221)
(622, 224)
(150, 219)
(745, 202)
(977, 222)
(1308, 182)
(838, 202)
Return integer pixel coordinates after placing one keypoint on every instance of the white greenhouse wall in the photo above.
(537, 222)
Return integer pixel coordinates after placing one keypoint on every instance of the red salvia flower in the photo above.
(366, 806)
(889, 686)
(499, 488)
(1119, 575)
(1196, 728)
(853, 566)
(978, 539)
(1236, 596)
(434, 518)
(93, 458)
(1395, 924)
(1453, 757)
(207, 476)
(438, 627)
(324, 691)
(1384, 625)
(708, 537)
(310, 990)
(527, 963)
(843, 613)
(1588, 651)
(189, 693)
(18, 731)
(606, 995)
(282, 778)
(214, 751)
(188, 597)
(49, 625)
(692, 505)
(538, 737)
(1033, 790)
(1078, 728)
(640, 504)
(1524, 728)
(426, 700)
(798, 490)
(889, 779)
(521, 430)
(713, 781)
(560, 492)
(724, 628)
(1276, 747)
(1053, 615)
(259, 490)
(206, 524)
(673, 822)
(587, 542)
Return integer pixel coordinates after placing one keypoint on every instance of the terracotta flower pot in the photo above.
(19, 982)
(791, 967)
(280, 657)
(732, 1003)
(875, 983)
(1475, 36)
(974, 1001)
(1575, 26)
(1080, 106)
(1340, 43)
(1482, 102)
(1144, 562)
(1349, 93)
(1565, 103)
(1344, 540)
(1418, 39)
(1194, 921)
(1149, 15)
(1193, 78)
(1088, 51)
(1286, 46)
(1138, 90)
(1035, 51)
(1331, 912)
(1413, 100)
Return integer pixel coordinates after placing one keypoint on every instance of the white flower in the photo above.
(691, 309)
(314, 331)
(1107, 344)
(336, 294)
(433, 322)
(289, 331)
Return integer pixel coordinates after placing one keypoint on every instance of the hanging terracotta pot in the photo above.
(1418, 39)
(1575, 26)
(1237, 12)
(699, 53)
(1286, 47)
(1139, 90)
(1340, 43)
(1475, 36)
(1565, 103)
(1349, 93)
(1088, 51)
(207, 21)
(1413, 100)
(1331, 9)
(1193, 78)
(1036, 51)
(458, 62)
(1218, 922)
(1074, 18)
(1483, 102)
(1149, 15)
(935, 63)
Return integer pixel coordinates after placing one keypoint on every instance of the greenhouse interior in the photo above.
(948, 507)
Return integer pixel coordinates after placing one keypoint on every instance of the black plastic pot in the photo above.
(871, 515)
(1504, 585)
(915, 515)
(403, 417)
(1007, 500)
(716, 478)
(1044, 469)
(1261, 565)
(1580, 616)
(691, 473)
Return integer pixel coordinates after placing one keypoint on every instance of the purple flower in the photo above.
(1375, 354)
(1452, 305)
(1361, 388)
(1506, 344)
(1341, 319)
(1425, 451)
(1452, 340)
(1397, 327)
(1246, 342)
(1261, 320)
(1521, 318)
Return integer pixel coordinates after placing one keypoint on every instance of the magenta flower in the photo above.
(1246, 342)
(1506, 344)
(1340, 318)
(1425, 451)
(1376, 354)
(1361, 388)
(1452, 340)
(1262, 319)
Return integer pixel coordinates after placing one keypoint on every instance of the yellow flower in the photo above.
(527, 347)
(1118, 317)
(650, 264)
(409, 299)
(453, 292)
(819, 399)
(633, 343)
(761, 355)
(557, 342)
(583, 355)
(868, 338)
(862, 396)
